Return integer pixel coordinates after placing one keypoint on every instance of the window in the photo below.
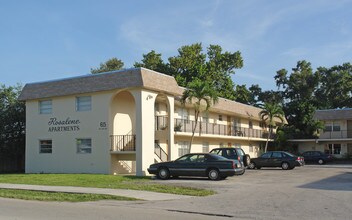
(84, 146)
(337, 148)
(220, 117)
(45, 107)
(276, 155)
(332, 126)
(45, 146)
(205, 119)
(266, 155)
(83, 103)
(336, 126)
(250, 124)
(333, 149)
(183, 148)
(205, 148)
(236, 124)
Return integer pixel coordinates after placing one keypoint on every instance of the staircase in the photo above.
(125, 168)
(123, 142)
(161, 155)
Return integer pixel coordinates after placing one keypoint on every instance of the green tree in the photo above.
(110, 65)
(152, 61)
(269, 114)
(215, 66)
(202, 96)
(335, 86)
(12, 124)
(298, 97)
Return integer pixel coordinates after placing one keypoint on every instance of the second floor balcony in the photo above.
(342, 134)
(183, 125)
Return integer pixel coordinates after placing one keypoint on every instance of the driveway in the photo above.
(309, 192)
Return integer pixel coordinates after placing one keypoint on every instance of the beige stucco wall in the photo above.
(197, 145)
(64, 157)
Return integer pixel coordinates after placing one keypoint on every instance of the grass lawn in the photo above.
(57, 196)
(101, 181)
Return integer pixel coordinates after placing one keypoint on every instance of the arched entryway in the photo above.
(123, 130)
(162, 128)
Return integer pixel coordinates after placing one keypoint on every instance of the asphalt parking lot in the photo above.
(309, 192)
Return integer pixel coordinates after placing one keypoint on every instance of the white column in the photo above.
(145, 129)
(172, 151)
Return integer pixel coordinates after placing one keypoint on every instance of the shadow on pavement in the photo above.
(341, 182)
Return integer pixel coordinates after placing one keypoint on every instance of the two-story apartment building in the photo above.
(123, 121)
(335, 138)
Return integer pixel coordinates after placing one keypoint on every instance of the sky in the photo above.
(43, 40)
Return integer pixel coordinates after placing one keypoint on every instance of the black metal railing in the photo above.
(123, 142)
(182, 125)
(335, 134)
(161, 123)
(160, 152)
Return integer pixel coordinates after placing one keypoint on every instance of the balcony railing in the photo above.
(182, 125)
(161, 123)
(336, 134)
(123, 142)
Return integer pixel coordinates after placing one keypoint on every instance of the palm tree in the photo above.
(269, 113)
(202, 96)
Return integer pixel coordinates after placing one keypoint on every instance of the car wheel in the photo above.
(320, 161)
(163, 173)
(247, 160)
(251, 165)
(213, 174)
(285, 166)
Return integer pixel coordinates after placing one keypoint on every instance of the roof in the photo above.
(138, 77)
(129, 78)
(333, 114)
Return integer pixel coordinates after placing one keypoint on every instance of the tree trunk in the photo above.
(267, 140)
(194, 129)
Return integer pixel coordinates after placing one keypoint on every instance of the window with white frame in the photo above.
(45, 146)
(84, 145)
(205, 148)
(334, 149)
(45, 107)
(83, 103)
(250, 124)
(332, 126)
(236, 124)
(183, 148)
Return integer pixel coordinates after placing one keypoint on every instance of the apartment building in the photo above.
(123, 121)
(335, 138)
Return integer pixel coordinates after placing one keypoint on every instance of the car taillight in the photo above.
(239, 158)
(234, 165)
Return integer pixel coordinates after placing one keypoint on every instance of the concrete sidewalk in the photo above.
(143, 195)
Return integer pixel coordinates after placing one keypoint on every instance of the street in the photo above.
(309, 192)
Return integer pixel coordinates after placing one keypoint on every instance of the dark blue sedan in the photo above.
(213, 166)
(317, 157)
